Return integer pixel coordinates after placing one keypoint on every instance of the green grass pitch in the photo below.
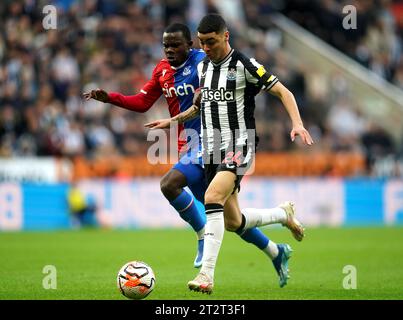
(87, 262)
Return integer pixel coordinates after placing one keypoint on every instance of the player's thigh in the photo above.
(232, 213)
(190, 167)
(221, 187)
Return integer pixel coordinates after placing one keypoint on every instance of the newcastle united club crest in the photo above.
(231, 75)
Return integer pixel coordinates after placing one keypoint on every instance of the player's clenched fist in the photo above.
(97, 94)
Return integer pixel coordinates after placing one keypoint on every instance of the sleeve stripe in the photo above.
(270, 85)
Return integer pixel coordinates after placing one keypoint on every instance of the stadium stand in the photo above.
(115, 44)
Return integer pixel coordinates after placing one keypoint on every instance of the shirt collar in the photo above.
(223, 60)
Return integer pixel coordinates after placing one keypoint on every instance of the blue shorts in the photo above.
(190, 165)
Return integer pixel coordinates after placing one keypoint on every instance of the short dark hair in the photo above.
(179, 27)
(212, 23)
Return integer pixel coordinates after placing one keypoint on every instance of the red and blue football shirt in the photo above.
(178, 85)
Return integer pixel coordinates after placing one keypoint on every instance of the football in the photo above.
(136, 280)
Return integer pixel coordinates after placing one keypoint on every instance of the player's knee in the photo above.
(169, 188)
(212, 196)
(164, 185)
(231, 225)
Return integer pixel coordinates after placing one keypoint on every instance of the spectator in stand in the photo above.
(115, 44)
(377, 145)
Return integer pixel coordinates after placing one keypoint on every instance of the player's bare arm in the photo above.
(192, 112)
(189, 114)
(182, 117)
(288, 100)
(97, 94)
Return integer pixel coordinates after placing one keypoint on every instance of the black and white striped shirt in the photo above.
(228, 100)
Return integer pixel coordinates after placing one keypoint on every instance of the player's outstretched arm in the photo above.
(97, 94)
(182, 117)
(140, 102)
(288, 100)
(159, 124)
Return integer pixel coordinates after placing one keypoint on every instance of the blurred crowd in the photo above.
(114, 45)
(373, 39)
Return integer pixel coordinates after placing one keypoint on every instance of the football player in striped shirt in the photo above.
(176, 78)
(229, 82)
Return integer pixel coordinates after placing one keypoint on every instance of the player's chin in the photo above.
(172, 61)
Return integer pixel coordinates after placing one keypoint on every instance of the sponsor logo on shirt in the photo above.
(217, 95)
(181, 90)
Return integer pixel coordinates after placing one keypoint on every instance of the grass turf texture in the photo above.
(87, 263)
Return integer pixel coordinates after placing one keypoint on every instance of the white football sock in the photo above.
(212, 241)
(271, 250)
(262, 217)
